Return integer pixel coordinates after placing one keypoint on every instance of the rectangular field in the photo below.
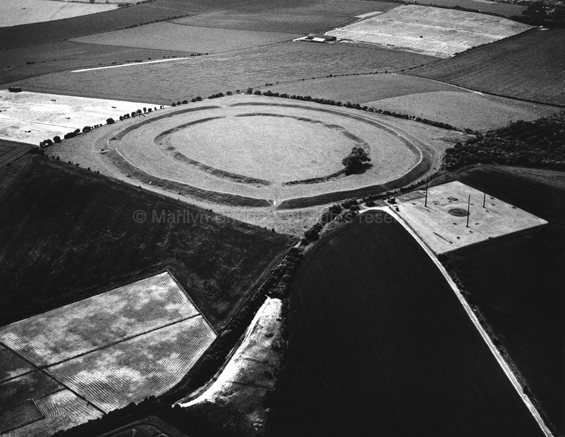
(464, 110)
(147, 365)
(303, 18)
(182, 37)
(442, 224)
(432, 31)
(526, 66)
(99, 321)
(32, 117)
(381, 345)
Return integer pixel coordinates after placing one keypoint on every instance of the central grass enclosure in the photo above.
(68, 234)
(380, 345)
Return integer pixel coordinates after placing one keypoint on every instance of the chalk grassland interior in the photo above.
(380, 341)
(77, 247)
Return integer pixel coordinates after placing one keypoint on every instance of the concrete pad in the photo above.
(443, 231)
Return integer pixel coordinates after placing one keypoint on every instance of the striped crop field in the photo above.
(99, 321)
(149, 364)
(61, 410)
(98, 354)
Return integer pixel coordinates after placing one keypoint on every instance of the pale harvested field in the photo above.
(444, 232)
(98, 321)
(16, 12)
(433, 31)
(147, 365)
(62, 410)
(174, 36)
(30, 117)
(464, 109)
(358, 89)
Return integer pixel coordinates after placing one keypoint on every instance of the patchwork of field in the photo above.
(77, 248)
(111, 349)
(516, 282)
(527, 66)
(442, 223)
(33, 117)
(432, 31)
(205, 75)
(431, 100)
(17, 12)
(379, 341)
(180, 37)
(23, 62)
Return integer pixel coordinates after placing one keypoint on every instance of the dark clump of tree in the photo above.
(357, 161)
(539, 143)
(541, 14)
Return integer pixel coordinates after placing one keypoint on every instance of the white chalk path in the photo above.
(131, 64)
(264, 321)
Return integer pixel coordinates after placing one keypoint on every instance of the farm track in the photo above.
(410, 362)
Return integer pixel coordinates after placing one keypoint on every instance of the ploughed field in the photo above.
(526, 66)
(517, 282)
(67, 234)
(381, 345)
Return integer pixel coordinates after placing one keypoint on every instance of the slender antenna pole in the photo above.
(468, 209)
(485, 194)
